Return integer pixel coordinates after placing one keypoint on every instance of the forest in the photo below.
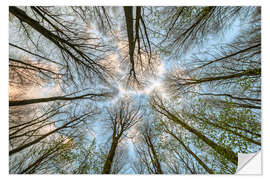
(133, 90)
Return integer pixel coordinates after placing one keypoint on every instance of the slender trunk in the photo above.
(245, 105)
(155, 162)
(229, 130)
(194, 155)
(252, 72)
(242, 129)
(35, 54)
(22, 147)
(33, 166)
(227, 153)
(229, 95)
(229, 56)
(28, 124)
(31, 67)
(49, 99)
(61, 43)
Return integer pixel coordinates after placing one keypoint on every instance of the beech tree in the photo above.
(144, 90)
(122, 118)
(229, 154)
(147, 152)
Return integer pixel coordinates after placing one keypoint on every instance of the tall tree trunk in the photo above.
(108, 163)
(155, 162)
(31, 67)
(190, 152)
(31, 168)
(229, 56)
(61, 43)
(251, 72)
(229, 130)
(49, 99)
(227, 153)
(22, 147)
(131, 42)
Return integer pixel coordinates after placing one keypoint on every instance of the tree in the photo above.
(122, 118)
(132, 39)
(186, 27)
(190, 152)
(229, 154)
(71, 44)
(71, 123)
(147, 90)
(56, 98)
(58, 150)
(147, 136)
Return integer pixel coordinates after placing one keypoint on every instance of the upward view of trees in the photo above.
(133, 90)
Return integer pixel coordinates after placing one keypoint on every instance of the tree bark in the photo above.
(108, 163)
(131, 43)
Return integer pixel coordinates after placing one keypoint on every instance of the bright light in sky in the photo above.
(122, 90)
(155, 84)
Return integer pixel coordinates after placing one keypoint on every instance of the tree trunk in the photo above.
(30, 169)
(251, 72)
(108, 163)
(131, 43)
(194, 155)
(229, 130)
(227, 153)
(61, 43)
(155, 162)
(229, 56)
(22, 147)
(49, 99)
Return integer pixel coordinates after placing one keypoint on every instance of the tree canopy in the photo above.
(133, 90)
